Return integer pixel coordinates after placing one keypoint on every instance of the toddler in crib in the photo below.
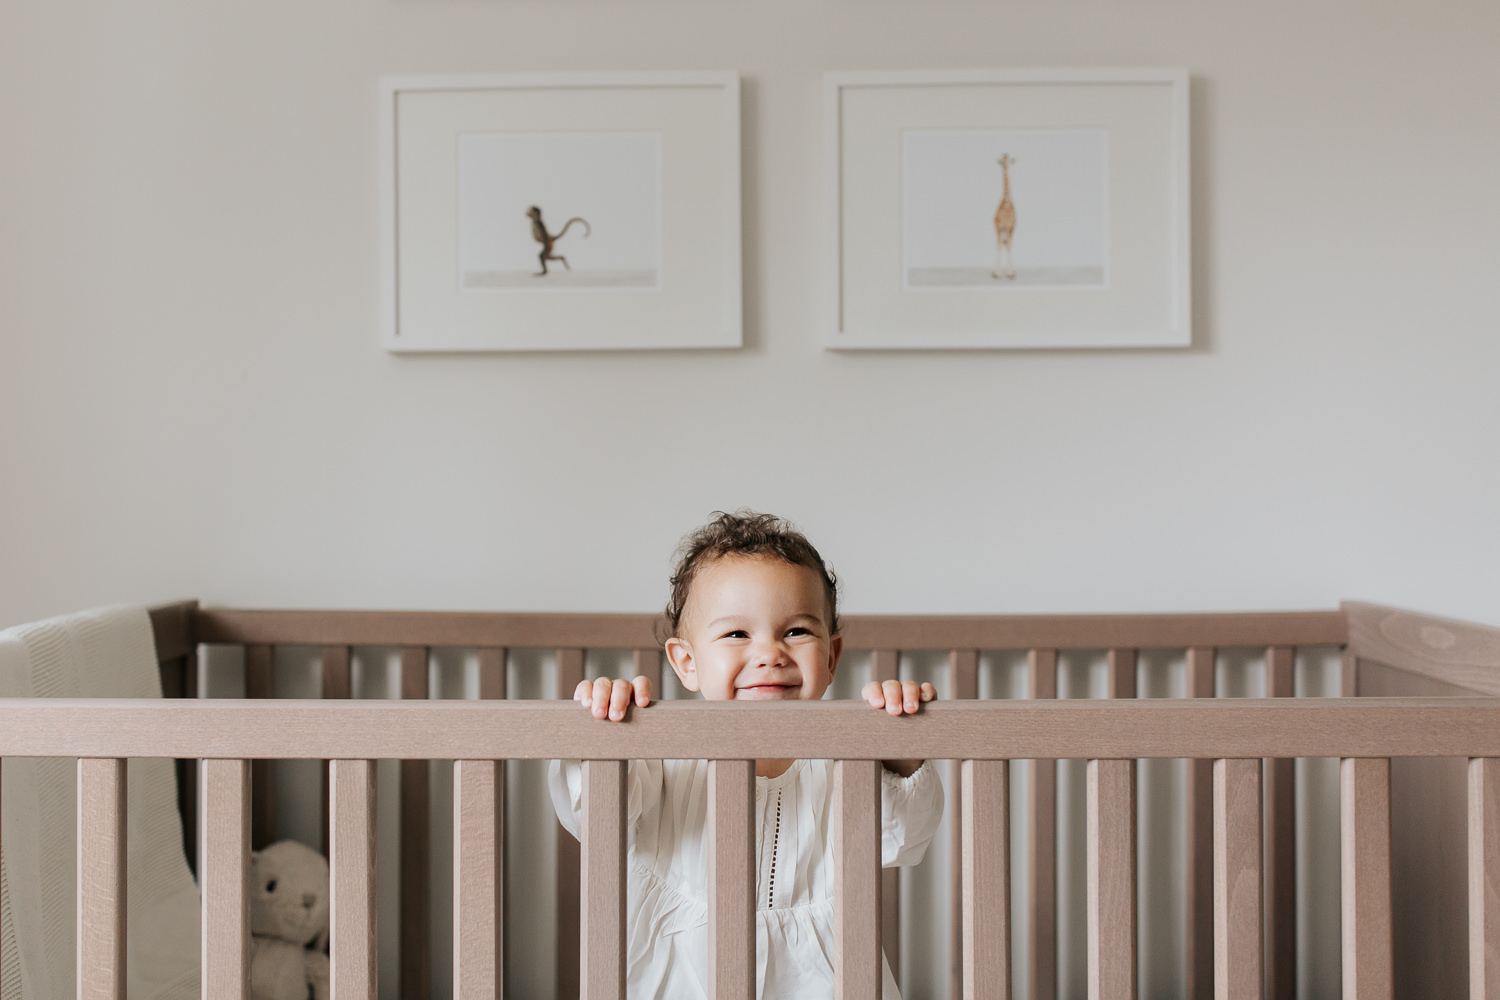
(753, 616)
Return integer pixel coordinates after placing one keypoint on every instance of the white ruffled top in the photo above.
(666, 945)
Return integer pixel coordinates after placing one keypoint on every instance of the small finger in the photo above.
(619, 698)
(642, 685)
(928, 691)
(871, 693)
(583, 692)
(892, 691)
(600, 700)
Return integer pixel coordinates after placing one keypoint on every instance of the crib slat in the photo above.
(1041, 869)
(1120, 664)
(224, 877)
(856, 836)
(1281, 844)
(1199, 809)
(260, 682)
(478, 879)
(602, 966)
(337, 684)
(1484, 879)
(985, 789)
(184, 684)
(1349, 675)
(492, 679)
(647, 663)
(1365, 806)
(885, 665)
(101, 878)
(731, 880)
(569, 673)
(1111, 880)
(416, 946)
(352, 903)
(964, 664)
(1236, 920)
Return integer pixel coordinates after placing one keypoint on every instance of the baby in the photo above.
(753, 616)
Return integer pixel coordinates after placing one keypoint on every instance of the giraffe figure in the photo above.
(1005, 226)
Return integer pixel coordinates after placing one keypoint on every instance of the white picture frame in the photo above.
(1099, 230)
(654, 158)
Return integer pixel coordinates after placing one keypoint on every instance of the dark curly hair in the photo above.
(745, 533)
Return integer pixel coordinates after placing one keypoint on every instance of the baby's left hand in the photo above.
(898, 697)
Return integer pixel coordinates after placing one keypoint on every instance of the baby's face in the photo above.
(756, 629)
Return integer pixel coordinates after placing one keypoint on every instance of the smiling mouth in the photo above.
(762, 692)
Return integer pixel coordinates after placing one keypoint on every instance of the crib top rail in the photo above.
(184, 624)
(975, 730)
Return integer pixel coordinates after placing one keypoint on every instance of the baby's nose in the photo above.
(308, 899)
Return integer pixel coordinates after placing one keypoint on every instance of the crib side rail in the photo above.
(1364, 733)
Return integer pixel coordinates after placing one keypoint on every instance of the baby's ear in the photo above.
(835, 650)
(680, 655)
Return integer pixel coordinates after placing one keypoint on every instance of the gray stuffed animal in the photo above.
(288, 923)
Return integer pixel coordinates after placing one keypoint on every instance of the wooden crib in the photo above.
(1239, 871)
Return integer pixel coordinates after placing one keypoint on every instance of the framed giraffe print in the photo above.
(1036, 208)
(561, 212)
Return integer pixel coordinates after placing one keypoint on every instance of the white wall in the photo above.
(193, 401)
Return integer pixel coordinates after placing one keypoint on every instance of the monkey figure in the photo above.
(549, 240)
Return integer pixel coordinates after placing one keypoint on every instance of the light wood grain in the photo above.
(601, 973)
(1429, 855)
(964, 670)
(352, 944)
(337, 683)
(224, 875)
(260, 682)
(1198, 810)
(416, 839)
(101, 879)
(637, 631)
(1484, 878)
(1120, 669)
(1281, 844)
(856, 837)
(1453, 652)
(885, 665)
(569, 673)
(985, 867)
(976, 730)
(1348, 674)
(1041, 847)
(731, 880)
(1237, 920)
(1110, 824)
(492, 679)
(478, 879)
(1365, 805)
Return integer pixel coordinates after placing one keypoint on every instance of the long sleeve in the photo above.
(565, 782)
(910, 810)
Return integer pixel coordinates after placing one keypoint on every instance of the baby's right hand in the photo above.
(608, 698)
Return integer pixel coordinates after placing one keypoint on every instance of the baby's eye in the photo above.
(738, 633)
(799, 630)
